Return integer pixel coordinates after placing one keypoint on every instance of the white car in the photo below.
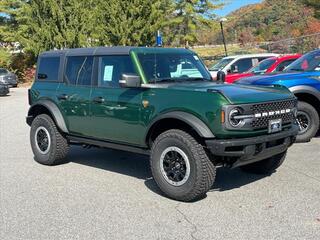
(238, 63)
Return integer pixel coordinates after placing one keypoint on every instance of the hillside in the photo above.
(272, 20)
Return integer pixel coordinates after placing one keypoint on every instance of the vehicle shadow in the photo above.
(136, 165)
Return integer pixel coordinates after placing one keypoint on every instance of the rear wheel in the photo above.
(308, 120)
(265, 166)
(49, 146)
(180, 166)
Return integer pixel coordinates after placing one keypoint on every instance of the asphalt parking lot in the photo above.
(107, 194)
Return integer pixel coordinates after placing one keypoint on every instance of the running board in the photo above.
(105, 144)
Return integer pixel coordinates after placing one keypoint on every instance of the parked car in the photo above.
(9, 78)
(269, 65)
(141, 100)
(4, 89)
(302, 77)
(238, 63)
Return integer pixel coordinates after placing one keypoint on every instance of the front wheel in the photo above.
(308, 120)
(180, 166)
(265, 166)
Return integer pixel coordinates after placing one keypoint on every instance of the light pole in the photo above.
(222, 33)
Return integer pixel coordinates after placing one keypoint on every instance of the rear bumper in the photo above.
(244, 151)
(4, 90)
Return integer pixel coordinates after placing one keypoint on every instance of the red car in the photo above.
(269, 65)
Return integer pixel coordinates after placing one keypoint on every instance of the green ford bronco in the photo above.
(160, 102)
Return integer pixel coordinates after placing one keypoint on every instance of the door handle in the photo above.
(63, 97)
(98, 100)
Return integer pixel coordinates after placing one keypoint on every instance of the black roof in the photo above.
(98, 51)
(90, 51)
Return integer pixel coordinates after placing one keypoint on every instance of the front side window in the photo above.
(163, 67)
(49, 69)
(79, 70)
(308, 62)
(241, 65)
(283, 65)
(111, 69)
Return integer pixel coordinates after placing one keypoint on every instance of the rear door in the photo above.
(116, 110)
(74, 94)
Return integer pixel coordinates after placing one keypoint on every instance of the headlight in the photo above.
(235, 118)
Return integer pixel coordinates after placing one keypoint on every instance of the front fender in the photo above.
(198, 125)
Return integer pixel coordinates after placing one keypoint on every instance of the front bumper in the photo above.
(242, 151)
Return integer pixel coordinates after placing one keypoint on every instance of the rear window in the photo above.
(49, 69)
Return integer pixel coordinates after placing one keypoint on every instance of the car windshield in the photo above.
(3, 71)
(171, 67)
(263, 66)
(221, 64)
(308, 62)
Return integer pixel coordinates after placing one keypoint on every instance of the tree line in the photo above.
(40, 25)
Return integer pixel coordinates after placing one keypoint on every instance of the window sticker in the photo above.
(108, 73)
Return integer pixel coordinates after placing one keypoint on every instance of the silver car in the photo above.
(8, 78)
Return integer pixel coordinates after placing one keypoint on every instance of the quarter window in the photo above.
(111, 69)
(49, 69)
(79, 70)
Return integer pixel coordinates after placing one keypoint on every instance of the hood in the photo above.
(269, 79)
(236, 94)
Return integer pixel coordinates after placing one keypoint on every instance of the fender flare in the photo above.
(55, 112)
(197, 124)
(305, 89)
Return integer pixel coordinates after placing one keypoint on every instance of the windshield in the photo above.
(308, 62)
(3, 71)
(164, 67)
(221, 64)
(263, 66)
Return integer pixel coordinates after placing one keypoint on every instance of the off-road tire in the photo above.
(266, 166)
(314, 122)
(202, 170)
(59, 147)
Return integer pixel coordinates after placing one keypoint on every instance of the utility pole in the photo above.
(222, 33)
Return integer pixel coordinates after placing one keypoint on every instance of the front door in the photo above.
(116, 111)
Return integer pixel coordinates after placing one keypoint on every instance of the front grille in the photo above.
(263, 121)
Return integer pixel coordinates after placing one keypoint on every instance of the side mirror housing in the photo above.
(130, 80)
(221, 76)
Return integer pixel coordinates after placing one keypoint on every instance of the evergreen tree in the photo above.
(190, 15)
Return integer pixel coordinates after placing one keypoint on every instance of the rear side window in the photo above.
(79, 70)
(111, 69)
(49, 69)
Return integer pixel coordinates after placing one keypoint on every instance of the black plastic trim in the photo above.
(106, 144)
(246, 148)
(53, 109)
(198, 125)
(305, 89)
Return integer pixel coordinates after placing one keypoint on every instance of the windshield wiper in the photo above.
(296, 69)
(158, 80)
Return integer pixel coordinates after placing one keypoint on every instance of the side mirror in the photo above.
(130, 80)
(221, 76)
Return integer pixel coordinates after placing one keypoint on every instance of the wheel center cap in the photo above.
(178, 165)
